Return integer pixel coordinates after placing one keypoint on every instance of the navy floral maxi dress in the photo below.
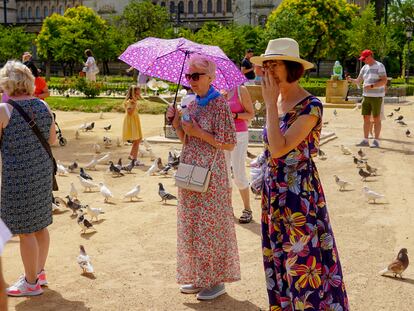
(300, 257)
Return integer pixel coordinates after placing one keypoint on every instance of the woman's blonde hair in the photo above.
(203, 63)
(16, 79)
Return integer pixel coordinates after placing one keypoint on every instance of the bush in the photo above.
(89, 88)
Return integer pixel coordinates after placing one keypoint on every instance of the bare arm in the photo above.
(247, 105)
(244, 70)
(45, 93)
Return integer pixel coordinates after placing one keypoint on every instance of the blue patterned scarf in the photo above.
(211, 94)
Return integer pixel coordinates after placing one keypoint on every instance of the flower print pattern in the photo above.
(300, 257)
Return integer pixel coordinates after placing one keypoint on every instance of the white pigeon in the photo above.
(83, 126)
(84, 261)
(133, 193)
(101, 115)
(371, 195)
(341, 183)
(77, 135)
(61, 169)
(94, 212)
(106, 193)
(345, 150)
(104, 158)
(87, 184)
(107, 141)
(153, 168)
(73, 192)
(97, 148)
(92, 165)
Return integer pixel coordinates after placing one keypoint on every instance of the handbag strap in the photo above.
(32, 124)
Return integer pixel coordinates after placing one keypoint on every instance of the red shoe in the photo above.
(41, 276)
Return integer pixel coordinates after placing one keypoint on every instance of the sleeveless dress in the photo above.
(26, 188)
(132, 124)
(301, 261)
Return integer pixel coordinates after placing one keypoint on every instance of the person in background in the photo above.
(207, 254)
(26, 190)
(300, 256)
(374, 77)
(247, 67)
(242, 110)
(142, 82)
(131, 130)
(91, 68)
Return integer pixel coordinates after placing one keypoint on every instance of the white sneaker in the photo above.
(212, 293)
(189, 289)
(22, 288)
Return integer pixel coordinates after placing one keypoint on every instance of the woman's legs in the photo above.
(43, 241)
(29, 251)
(134, 148)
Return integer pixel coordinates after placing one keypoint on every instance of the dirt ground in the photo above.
(134, 248)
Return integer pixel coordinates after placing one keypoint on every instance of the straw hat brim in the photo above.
(258, 60)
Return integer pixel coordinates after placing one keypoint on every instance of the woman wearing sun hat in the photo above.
(300, 256)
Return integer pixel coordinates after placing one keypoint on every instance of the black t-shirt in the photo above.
(247, 64)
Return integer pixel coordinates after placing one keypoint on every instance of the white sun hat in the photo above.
(281, 49)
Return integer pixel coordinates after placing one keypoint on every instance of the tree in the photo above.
(317, 25)
(13, 42)
(65, 38)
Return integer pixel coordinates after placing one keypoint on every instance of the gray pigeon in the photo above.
(164, 194)
(114, 169)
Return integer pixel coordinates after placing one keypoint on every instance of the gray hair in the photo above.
(16, 79)
(203, 63)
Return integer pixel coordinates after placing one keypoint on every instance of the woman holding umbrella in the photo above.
(207, 254)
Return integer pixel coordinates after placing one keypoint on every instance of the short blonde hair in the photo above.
(16, 79)
(203, 63)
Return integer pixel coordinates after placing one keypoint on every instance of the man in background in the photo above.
(247, 67)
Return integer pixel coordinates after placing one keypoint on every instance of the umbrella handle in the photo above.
(179, 79)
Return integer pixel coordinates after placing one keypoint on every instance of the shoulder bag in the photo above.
(193, 177)
(32, 124)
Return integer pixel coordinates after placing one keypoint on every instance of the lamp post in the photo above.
(409, 34)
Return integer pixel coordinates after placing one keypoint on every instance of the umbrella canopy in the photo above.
(165, 58)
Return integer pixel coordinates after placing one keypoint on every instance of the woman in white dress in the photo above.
(91, 68)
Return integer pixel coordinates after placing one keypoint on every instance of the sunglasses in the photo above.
(270, 65)
(194, 76)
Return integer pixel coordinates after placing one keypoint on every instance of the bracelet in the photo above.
(236, 116)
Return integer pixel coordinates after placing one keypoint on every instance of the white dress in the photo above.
(92, 68)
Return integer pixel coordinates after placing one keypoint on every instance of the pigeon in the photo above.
(73, 167)
(77, 135)
(402, 123)
(322, 155)
(73, 192)
(83, 126)
(173, 159)
(61, 169)
(399, 118)
(107, 128)
(251, 155)
(370, 169)
(74, 205)
(83, 222)
(57, 204)
(345, 150)
(398, 266)
(119, 164)
(325, 122)
(94, 212)
(101, 116)
(361, 154)
(358, 162)
(341, 183)
(335, 113)
(159, 164)
(363, 174)
(408, 133)
(107, 142)
(56, 208)
(397, 109)
(87, 184)
(84, 261)
(165, 170)
(128, 168)
(85, 175)
(390, 115)
(97, 148)
(92, 165)
(104, 158)
(164, 194)
(114, 169)
(154, 168)
(106, 193)
(133, 193)
(89, 127)
(371, 195)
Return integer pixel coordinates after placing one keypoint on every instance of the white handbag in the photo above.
(193, 177)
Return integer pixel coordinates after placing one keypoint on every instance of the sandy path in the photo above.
(133, 251)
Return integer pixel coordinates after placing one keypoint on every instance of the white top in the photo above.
(372, 74)
(91, 64)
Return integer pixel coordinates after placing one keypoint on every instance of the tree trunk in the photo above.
(105, 67)
(318, 62)
(47, 74)
(379, 10)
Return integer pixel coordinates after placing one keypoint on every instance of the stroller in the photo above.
(62, 140)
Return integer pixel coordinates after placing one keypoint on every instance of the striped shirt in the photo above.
(372, 74)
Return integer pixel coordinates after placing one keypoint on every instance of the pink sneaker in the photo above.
(22, 288)
(42, 278)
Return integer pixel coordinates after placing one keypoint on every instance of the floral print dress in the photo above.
(300, 257)
(207, 251)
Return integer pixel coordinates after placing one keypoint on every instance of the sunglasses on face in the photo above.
(193, 76)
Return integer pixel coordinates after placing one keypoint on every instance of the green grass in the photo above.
(101, 104)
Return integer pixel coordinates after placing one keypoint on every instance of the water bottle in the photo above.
(337, 70)
(185, 116)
